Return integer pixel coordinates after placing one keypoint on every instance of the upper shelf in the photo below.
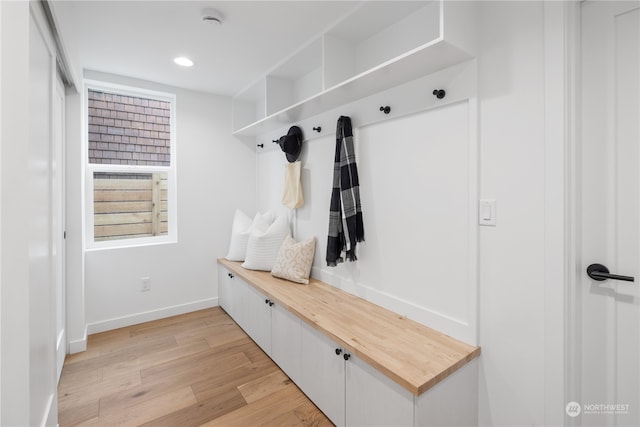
(378, 46)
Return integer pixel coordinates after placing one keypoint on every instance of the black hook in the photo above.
(275, 141)
(439, 93)
(318, 129)
(386, 109)
(261, 145)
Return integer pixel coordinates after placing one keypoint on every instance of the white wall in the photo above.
(418, 195)
(511, 295)
(14, 49)
(215, 175)
(512, 164)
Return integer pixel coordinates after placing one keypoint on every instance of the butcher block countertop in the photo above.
(411, 354)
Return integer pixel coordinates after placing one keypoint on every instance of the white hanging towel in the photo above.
(292, 197)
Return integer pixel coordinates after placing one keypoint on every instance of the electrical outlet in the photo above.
(145, 284)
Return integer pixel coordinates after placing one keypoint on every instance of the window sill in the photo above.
(130, 243)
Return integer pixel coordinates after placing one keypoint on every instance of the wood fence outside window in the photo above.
(129, 205)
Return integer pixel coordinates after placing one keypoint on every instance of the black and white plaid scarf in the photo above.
(345, 216)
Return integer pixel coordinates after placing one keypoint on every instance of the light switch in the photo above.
(487, 212)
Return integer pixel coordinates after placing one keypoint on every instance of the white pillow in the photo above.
(263, 246)
(241, 230)
(295, 260)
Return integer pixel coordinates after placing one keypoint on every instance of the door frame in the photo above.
(573, 222)
(562, 100)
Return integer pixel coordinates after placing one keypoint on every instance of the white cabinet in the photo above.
(250, 105)
(348, 390)
(286, 345)
(379, 45)
(258, 322)
(323, 375)
(374, 399)
(295, 80)
(225, 298)
(233, 296)
(376, 33)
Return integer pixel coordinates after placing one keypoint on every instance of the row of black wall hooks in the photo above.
(438, 93)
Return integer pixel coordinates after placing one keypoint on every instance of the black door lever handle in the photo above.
(599, 272)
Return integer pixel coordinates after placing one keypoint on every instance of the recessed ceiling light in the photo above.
(183, 61)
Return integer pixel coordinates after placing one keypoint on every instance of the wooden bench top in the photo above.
(413, 355)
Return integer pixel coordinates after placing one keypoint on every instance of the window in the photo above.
(130, 166)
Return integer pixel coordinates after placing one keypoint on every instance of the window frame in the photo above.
(90, 168)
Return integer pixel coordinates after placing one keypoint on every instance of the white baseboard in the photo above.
(80, 345)
(147, 316)
(448, 325)
(51, 414)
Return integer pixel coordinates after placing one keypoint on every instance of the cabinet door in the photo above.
(258, 319)
(372, 399)
(224, 290)
(238, 293)
(322, 374)
(286, 345)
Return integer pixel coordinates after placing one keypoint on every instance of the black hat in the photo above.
(291, 143)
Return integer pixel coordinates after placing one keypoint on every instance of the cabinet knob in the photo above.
(266, 301)
(338, 351)
(271, 303)
(346, 356)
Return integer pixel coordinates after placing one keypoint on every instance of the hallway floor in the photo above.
(189, 370)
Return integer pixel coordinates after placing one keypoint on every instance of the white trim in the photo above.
(560, 53)
(572, 366)
(147, 316)
(89, 169)
(118, 89)
(470, 332)
(50, 415)
(80, 345)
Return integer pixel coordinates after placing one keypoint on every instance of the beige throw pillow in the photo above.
(294, 260)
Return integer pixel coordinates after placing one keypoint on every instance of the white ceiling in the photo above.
(140, 38)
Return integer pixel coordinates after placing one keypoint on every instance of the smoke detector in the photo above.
(212, 17)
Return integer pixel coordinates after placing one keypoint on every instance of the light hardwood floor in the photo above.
(195, 369)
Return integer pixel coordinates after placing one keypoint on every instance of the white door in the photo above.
(58, 253)
(606, 329)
